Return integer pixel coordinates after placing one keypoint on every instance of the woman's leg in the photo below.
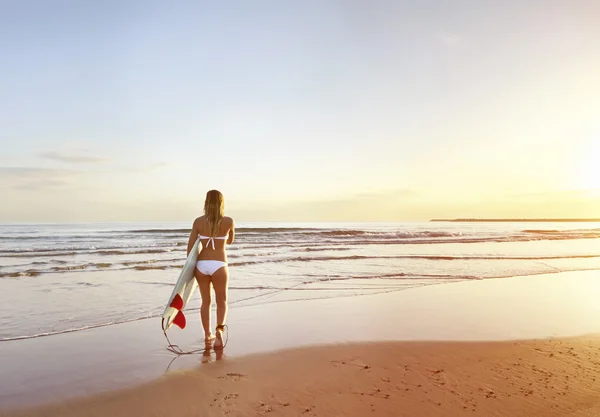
(219, 281)
(204, 286)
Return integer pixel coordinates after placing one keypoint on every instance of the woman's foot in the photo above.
(219, 336)
(208, 339)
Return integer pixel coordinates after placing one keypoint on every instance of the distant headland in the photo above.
(517, 220)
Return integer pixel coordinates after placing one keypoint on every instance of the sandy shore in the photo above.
(111, 364)
(558, 377)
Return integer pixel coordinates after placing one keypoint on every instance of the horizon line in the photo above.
(520, 220)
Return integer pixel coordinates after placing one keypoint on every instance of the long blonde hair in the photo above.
(214, 210)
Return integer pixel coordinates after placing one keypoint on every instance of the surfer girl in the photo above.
(215, 231)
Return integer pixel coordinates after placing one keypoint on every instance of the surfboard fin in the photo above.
(177, 302)
(180, 320)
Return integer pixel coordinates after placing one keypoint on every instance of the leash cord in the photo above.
(178, 351)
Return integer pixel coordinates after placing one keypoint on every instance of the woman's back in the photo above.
(213, 238)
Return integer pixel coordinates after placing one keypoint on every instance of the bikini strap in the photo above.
(211, 239)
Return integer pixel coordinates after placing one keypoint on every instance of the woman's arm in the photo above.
(231, 233)
(193, 237)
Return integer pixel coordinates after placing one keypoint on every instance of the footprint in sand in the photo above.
(308, 409)
(233, 376)
(227, 403)
(351, 362)
(264, 407)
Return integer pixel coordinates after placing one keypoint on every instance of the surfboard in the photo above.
(184, 287)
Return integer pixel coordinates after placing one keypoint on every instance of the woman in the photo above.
(214, 230)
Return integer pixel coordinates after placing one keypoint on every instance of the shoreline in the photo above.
(97, 361)
(554, 377)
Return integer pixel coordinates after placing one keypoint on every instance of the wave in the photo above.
(238, 230)
(157, 231)
(152, 267)
(176, 263)
(429, 241)
(596, 230)
(99, 265)
(28, 273)
(324, 249)
(305, 231)
(304, 239)
(344, 233)
(22, 253)
(87, 236)
(424, 257)
(69, 252)
(274, 229)
(564, 234)
(401, 276)
(436, 279)
(132, 252)
(436, 236)
(446, 278)
(389, 235)
(302, 259)
(158, 283)
(54, 269)
(21, 237)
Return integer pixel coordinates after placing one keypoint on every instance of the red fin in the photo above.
(180, 320)
(177, 302)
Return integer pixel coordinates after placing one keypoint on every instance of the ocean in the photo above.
(57, 278)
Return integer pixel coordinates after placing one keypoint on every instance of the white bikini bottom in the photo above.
(209, 267)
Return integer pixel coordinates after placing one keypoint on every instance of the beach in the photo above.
(534, 378)
(401, 319)
(397, 202)
(442, 350)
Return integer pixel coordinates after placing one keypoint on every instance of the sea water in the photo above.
(56, 278)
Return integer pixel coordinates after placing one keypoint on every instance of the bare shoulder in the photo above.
(197, 222)
(228, 221)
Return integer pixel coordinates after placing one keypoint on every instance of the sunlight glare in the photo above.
(589, 171)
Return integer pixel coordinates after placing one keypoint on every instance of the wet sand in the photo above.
(533, 378)
(106, 367)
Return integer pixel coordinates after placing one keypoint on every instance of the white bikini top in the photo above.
(212, 239)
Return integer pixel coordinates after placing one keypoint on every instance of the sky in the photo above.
(312, 110)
